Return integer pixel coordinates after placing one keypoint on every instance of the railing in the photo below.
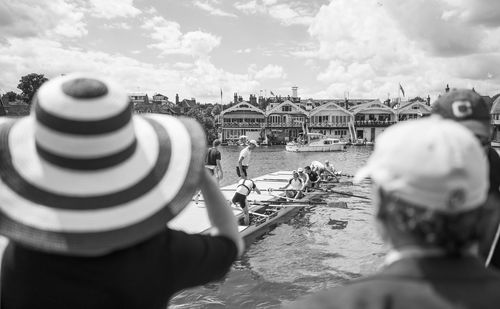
(328, 125)
(243, 125)
(284, 125)
(373, 123)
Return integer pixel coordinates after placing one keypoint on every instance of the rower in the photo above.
(244, 188)
(296, 185)
(329, 172)
(303, 176)
(313, 178)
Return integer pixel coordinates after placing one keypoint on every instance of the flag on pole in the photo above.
(402, 90)
(221, 93)
(272, 93)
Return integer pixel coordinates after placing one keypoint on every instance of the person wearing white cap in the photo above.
(86, 191)
(244, 159)
(303, 176)
(429, 184)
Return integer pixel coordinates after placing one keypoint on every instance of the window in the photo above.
(286, 108)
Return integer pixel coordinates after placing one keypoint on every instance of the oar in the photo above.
(303, 204)
(347, 194)
(321, 181)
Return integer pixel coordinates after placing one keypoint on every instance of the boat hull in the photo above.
(325, 148)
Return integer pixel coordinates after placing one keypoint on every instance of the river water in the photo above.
(301, 256)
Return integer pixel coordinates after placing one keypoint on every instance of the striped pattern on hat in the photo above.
(82, 176)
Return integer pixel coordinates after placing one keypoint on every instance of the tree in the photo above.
(10, 96)
(29, 84)
(206, 120)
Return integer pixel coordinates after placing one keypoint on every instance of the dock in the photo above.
(267, 215)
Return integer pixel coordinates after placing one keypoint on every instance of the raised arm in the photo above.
(221, 216)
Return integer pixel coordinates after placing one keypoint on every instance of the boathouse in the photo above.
(285, 122)
(371, 119)
(242, 119)
(413, 110)
(330, 119)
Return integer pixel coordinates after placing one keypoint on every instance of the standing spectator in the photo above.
(86, 190)
(468, 108)
(213, 161)
(428, 197)
(244, 159)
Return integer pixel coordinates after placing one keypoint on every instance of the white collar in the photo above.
(411, 252)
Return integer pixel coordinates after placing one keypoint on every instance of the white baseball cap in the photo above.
(253, 142)
(431, 162)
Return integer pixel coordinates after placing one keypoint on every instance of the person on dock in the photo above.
(429, 198)
(295, 186)
(303, 176)
(244, 159)
(86, 191)
(329, 173)
(313, 177)
(243, 140)
(213, 161)
(470, 109)
(243, 190)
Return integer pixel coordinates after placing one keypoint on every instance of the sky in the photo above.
(197, 48)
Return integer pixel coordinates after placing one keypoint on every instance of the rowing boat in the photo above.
(266, 210)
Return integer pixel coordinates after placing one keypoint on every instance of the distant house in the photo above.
(15, 108)
(185, 105)
(138, 97)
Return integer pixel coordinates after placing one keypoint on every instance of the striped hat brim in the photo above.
(129, 198)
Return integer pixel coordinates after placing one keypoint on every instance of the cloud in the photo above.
(243, 51)
(371, 47)
(208, 6)
(270, 71)
(199, 79)
(32, 18)
(294, 13)
(170, 40)
(119, 25)
(110, 9)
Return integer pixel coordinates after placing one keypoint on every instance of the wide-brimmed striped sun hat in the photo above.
(82, 176)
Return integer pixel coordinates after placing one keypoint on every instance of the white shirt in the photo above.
(318, 165)
(245, 153)
(296, 183)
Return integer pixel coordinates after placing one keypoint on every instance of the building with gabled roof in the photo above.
(413, 110)
(371, 119)
(242, 119)
(285, 121)
(331, 119)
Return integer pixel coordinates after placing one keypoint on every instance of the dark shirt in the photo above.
(144, 276)
(494, 161)
(313, 176)
(212, 156)
(492, 212)
(414, 284)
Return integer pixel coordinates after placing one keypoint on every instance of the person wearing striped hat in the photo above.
(86, 191)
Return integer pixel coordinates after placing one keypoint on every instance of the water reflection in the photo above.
(303, 255)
